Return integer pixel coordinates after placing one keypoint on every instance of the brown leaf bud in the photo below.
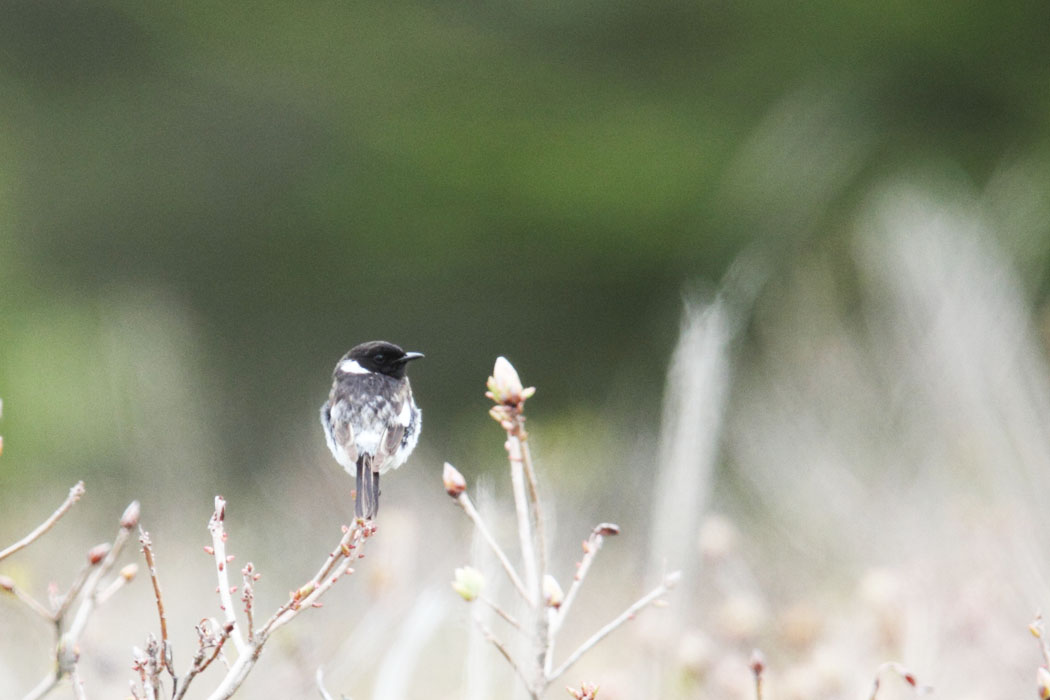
(454, 482)
(130, 519)
(97, 553)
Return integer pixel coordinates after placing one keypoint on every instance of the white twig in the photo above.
(501, 612)
(521, 507)
(74, 495)
(319, 677)
(218, 543)
(591, 546)
(502, 648)
(668, 583)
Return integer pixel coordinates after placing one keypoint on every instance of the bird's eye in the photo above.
(379, 358)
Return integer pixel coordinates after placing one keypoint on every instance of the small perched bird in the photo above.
(371, 422)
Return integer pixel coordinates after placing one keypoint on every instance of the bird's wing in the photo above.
(395, 432)
(343, 434)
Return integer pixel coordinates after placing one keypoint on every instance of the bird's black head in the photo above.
(376, 356)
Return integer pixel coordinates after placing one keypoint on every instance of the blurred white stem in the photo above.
(521, 506)
(502, 648)
(557, 618)
(669, 582)
(218, 543)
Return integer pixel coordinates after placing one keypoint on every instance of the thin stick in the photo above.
(319, 677)
(468, 507)
(147, 552)
(78, 684)
(591, 546)
(200, 664)
(490, 637)
(32, 603)
(91, 598)
(534, 497)
(906, 675)
(74, 495)
(218, 543)
(501, 612)
(45, 686)
(669, 582)
(521, 507)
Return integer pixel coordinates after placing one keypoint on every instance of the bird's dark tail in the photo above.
(366, 501)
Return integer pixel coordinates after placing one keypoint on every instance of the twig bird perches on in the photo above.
(371, 422)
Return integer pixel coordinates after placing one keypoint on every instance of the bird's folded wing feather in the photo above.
(344, 436)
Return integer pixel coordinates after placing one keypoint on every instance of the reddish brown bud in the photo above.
(758, 662)
(7, 584)
(454, 482)
(607, 529)
(209, 550)
(130, 518)
(97, 553)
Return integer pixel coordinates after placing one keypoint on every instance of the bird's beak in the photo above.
(411, 356)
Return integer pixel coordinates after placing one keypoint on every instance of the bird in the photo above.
(371, 421)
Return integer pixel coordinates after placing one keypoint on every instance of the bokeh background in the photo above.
(839, 213)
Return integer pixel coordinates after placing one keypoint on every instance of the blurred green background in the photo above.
(203, 205)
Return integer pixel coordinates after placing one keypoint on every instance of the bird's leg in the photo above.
(375, 493)
(359, 493)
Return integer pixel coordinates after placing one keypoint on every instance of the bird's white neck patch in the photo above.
(351, 367)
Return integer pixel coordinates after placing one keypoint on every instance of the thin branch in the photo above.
(319, 677)
(78, 684)
(151, 565)
(668, 583)
(521, 507)
(591, 546)
(45, 686)
(464, 502)
(337, 564)
(534, 497)
(898, 670)
(32, 603)
(218, 544)
(502, 648)
(199, 661)
(74, 495)
(501, 612)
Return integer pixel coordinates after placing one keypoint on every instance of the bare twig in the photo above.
(898, 670)
(502, 648)
(248, 596)
(78, 684)
(74, 495)
(1039, 632)
(218, 550)
(534, 497)
(758, 667)
(32, 603)
(201, 661)
(668, 583)
(85, 593)
(319, 677)
(501, 612)
(165, 647)
(591, 546)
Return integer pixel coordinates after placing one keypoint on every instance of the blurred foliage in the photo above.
(203, 205)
